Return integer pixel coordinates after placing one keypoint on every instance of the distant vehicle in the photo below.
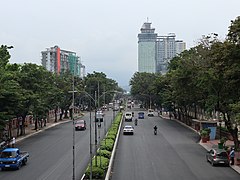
(12, 158)
(110, 105)
(80, 125)
(150, 112)
(128, 129)
(99, 116)
(128, 116)
(141, 106)
(141, 115)
(129, 105)
(121, 108)
(104, 107)
(217, 156)
(115, 108)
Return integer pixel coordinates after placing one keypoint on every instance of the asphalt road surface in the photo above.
(172, 154)
(51, 152)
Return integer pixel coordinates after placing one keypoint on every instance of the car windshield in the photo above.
(80, 122)
(8, 154)
(128, 127)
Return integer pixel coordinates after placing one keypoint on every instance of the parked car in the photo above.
(150, 112)
(128, 129)
(12, 158)
(141, 115)
(217, 156)
(80, 125)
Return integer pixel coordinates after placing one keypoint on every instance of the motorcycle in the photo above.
(155, 131)
(136, 122)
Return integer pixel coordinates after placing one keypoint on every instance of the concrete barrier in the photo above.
(108, 174)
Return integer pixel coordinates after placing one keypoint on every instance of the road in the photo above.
(51, 152)
(172, 154)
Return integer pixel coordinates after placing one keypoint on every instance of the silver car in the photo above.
(217, 156)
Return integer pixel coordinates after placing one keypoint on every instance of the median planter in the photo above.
(99, 171)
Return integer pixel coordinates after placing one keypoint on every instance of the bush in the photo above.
(208, 130)
(108, 146)
(97, 173)
(204, 133)
(104, 153)
(104, 162)
(111, 136)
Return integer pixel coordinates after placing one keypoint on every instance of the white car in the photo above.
(128, 116)
(128, 129)
(150, 112)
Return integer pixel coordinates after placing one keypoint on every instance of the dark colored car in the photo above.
(141, 115)
(80, 125)
(217, 156)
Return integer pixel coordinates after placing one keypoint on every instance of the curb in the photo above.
(108, 174)
(41, 130)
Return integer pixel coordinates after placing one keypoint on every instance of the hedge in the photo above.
(106, 149)
(104, 153)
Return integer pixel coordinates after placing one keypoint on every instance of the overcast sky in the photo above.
(104, 32)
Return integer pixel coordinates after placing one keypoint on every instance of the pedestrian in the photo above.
(232, 155)
(13, 142)
(170, 115)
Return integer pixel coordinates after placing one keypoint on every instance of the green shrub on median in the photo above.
(108, 145)
(105, 153)
(99, 170)
(111, 136)
(97, 173)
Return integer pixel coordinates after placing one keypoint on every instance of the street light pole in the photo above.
(96, 127)
(73, 177)
(90, 126)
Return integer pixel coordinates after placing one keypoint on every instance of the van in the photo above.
(128, 116)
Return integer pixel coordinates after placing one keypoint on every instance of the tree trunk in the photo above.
(65, 114)
(232, 131)
(55, 114)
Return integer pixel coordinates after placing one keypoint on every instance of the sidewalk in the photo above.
(209, 144)
(29, 131)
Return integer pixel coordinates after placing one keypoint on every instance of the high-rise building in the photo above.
(147, 49)
(155, 52)
(58, 60)
(180, 46)
(166, 50)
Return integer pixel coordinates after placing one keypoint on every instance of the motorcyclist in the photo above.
(136, 121)
(155, 130)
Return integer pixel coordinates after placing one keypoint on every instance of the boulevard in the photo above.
(51, 152)
(174, 153)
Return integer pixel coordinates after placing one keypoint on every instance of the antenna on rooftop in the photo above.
(147, 19)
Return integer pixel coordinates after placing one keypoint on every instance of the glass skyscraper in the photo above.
(155, 52)
(147, 49)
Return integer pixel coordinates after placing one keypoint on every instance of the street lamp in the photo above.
(73, 124)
